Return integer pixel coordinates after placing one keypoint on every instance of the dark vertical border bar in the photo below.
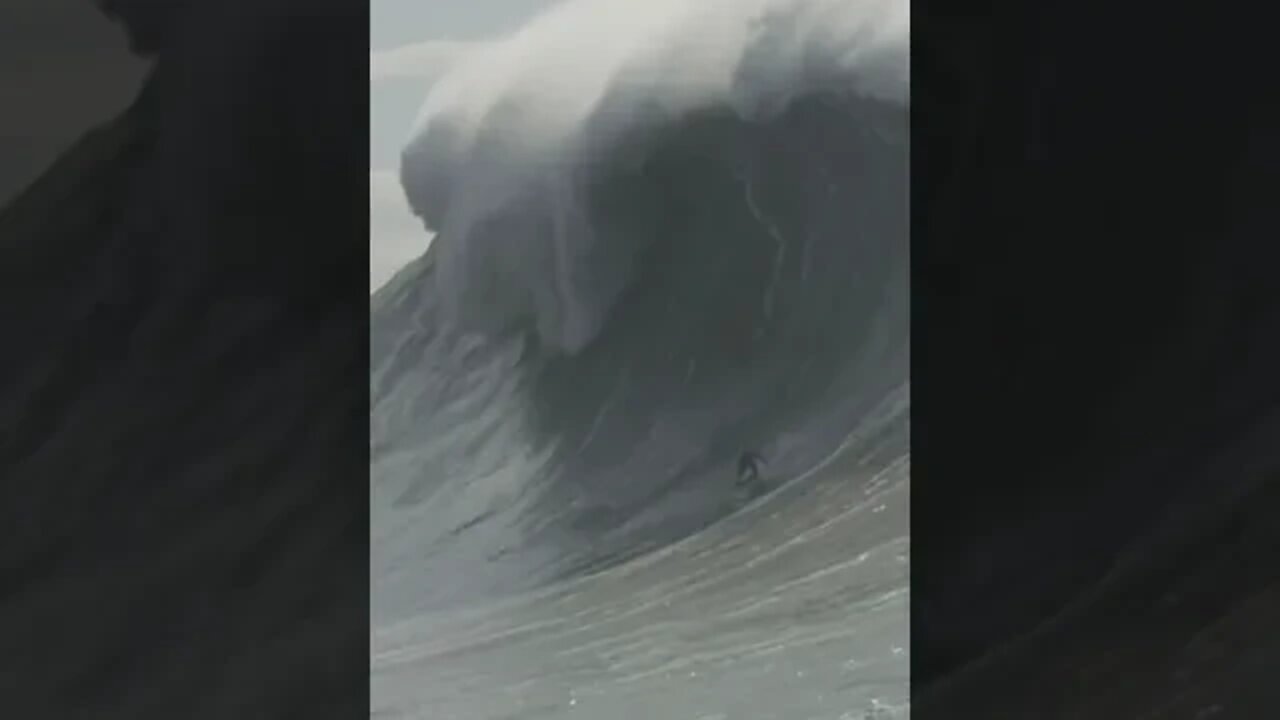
(184, 360)
(1096, 333)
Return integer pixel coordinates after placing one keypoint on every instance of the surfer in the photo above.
(750, 469)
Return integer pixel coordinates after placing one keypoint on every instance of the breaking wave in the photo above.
(667, 233)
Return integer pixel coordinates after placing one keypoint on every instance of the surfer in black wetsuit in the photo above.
(750, 469)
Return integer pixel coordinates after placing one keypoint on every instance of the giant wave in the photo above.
(665, 233)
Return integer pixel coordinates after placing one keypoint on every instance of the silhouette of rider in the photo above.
(750, 468)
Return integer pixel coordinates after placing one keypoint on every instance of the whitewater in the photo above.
(665, 234)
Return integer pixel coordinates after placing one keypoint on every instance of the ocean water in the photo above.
(682, 241)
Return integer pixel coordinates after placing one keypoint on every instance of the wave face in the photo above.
(638, 275)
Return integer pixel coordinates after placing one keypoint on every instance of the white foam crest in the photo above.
(500, 156)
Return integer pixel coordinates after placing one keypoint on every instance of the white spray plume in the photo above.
(423, 61)
(495, 162)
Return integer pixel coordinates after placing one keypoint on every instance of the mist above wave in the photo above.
(513, 142)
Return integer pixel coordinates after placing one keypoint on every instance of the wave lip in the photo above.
(511, 140)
